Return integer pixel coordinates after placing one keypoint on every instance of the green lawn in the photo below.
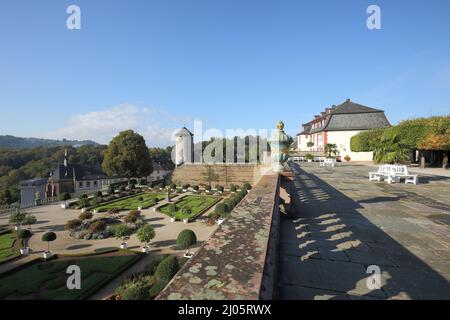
(198, 205)
(133, 203)
(47, 280)
(6, 246)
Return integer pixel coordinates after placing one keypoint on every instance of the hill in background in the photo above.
(7, 141)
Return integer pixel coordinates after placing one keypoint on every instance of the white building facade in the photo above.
(337, 125)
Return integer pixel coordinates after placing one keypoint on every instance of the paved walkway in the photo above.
(343, 224)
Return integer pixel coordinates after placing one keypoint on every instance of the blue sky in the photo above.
(155, 65)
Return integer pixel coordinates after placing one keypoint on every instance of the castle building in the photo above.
(337, 125)
(184, 147)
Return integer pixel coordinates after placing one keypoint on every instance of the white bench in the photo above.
(328, 162)
(402, 172)
(393, 173)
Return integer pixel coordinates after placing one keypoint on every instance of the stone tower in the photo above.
(184, 147)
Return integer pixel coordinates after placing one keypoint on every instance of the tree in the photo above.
(123, 231)
(49, 237)
(210, 175)
(29, 220)
(310, 144)
(127, 156)
(17, 218)
(186, 211)
(390, 149)
(330, 148)
(145, 234)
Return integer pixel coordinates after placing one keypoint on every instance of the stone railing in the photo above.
(238, 261)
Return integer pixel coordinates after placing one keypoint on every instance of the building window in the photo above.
(320, 140)
(88, 184)
(95, 183)
(80, 184)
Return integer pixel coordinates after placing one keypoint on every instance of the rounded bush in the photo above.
(247, 186)
(64, 196)
(233, 188)
(97, 226)
(173, 186)
(85, 216)
(208, 188)
(167, 269)
(72, 224)
(24, 234)
(83, 196)
(99, 194)
(186, 239)
(186, 211)
(121, 188)
(49, 236)
(130, 219)
(172, 208)
(195, 188)
(140, 198)
(134, 213)
(221, 209)
(220, 188)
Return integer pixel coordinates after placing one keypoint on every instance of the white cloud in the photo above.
(155, 124)
(100, 126)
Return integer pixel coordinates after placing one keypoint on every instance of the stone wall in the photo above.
(237, 261)
(228, 174)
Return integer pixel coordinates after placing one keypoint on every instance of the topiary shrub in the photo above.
(208, 188)
(72, 224)
(49, 237)
(83, 196)
(221, 209)
(97, 226)
(186, 239)
(121, 188)
(167, 269)
(134, 213)
(83, 202)
(85, 216)
(130, 219)
(233, 188)
(140, 198)
(64, 196)
(24, 234)
(247, 186)
(220, 188)
(195, 188)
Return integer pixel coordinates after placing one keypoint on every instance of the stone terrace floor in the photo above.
(345, 223)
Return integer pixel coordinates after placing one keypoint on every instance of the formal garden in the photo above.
(47, 279)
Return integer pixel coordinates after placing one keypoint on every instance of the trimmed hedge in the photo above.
(167, 269)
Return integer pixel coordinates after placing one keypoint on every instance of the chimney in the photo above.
(348, 100)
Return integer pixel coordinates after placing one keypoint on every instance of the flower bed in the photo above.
(197, 204)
